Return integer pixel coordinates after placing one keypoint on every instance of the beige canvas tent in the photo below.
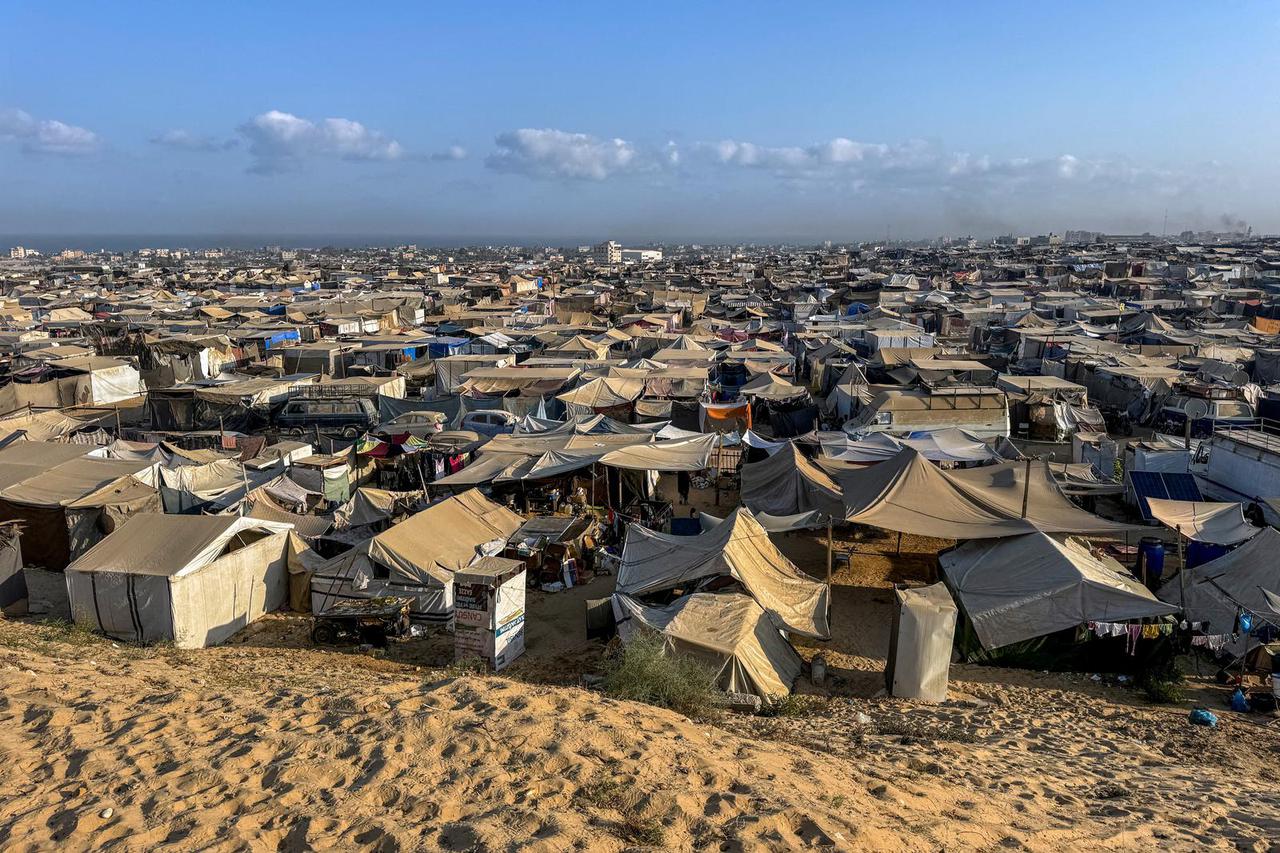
(729, 631)
(193, 580)
(911, 495)
(737, 548)
(417, 557)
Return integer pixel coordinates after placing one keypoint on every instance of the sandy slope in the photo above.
(274, 748)
(268, 743)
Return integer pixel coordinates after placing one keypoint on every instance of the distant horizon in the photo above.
(131, 242)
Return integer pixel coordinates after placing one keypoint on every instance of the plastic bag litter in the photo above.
(1201, 717)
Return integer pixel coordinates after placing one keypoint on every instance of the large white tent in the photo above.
(190, 579)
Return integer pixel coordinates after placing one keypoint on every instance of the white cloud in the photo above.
(453, 152)
(46, 136)
(548, 153)
(279, 141)
(187, 141)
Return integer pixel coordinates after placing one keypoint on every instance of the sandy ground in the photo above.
(269, 743)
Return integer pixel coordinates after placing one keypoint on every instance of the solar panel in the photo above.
(1164, 486)
(1182, 487)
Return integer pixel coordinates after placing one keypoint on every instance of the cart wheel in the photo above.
(324, 634)
(350, 432)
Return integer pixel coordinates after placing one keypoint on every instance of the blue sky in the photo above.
(654, 121)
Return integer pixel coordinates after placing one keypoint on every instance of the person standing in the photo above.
(682, 485)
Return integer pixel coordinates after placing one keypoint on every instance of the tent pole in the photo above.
(899, 551)
(1182, 574)
(719, 444)
(1026, 488)
(830, 549)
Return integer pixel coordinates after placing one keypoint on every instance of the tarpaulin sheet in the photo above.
(739, 548)
(1028, 586)
(909, 494)
(1215, 592)
(690, 454)
(443, 538)
(788, 484)
(1204, 521)
(729, 631)
(724, 417)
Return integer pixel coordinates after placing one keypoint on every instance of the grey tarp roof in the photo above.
(1023, 587)
(1213, 592)
(728, 630)
(739, 548)
(369, 505)
(786, 483)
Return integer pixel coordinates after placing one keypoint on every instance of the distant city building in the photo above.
(608, 252)
(18, 253)
(641, 256)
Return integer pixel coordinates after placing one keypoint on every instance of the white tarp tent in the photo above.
(193, 580)
(919, 662)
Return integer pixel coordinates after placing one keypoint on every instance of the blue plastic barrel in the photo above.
(1150, 555)
(1199, 553)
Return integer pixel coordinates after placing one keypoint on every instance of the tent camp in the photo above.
(192, 580)
(417, 557)
(738, 548)
(727, 630)
(786, 483)
(1028, 586)
(1217, 591)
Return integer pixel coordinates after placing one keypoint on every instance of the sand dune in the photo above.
(264, 747)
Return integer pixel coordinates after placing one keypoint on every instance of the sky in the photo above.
(643, 122)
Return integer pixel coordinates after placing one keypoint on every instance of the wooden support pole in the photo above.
(830, 553)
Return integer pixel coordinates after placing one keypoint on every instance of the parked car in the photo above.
(419, 424)
(490, 423)
(348, 416)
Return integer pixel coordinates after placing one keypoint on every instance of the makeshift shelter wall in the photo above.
(213, 603)
(135, 608)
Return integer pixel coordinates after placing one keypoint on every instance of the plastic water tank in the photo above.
(1151, 556)
(1199, 553)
